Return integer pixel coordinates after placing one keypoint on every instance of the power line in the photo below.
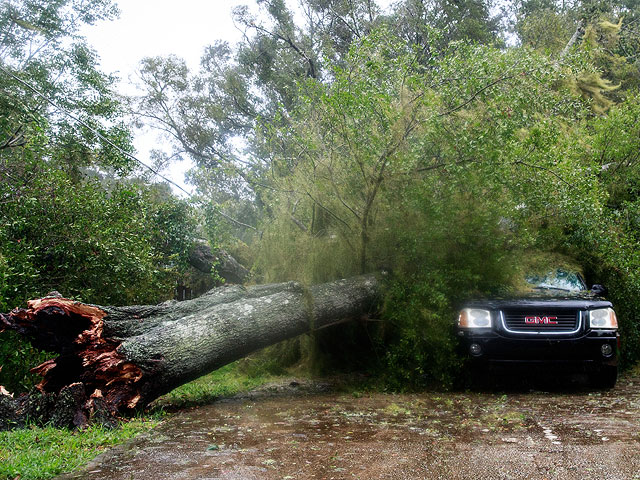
(93, 130)
(109, 142)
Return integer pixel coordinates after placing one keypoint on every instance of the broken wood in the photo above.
(114, 360)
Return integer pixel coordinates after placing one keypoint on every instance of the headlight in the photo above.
(603, 318)
(474, 318)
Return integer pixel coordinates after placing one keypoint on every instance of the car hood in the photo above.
(579, 300)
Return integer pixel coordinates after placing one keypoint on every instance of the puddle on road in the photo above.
(433, 435)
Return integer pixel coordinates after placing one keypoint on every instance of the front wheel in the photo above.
(605, 378)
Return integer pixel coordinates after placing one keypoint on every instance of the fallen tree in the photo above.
(114, 360)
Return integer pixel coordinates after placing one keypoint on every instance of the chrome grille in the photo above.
(541, 320)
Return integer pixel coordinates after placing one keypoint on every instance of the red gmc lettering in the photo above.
(543, 320)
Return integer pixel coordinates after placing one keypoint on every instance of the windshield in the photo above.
(557, 280)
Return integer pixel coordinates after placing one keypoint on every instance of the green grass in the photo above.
(36, 453)
(228, 380)
(42, 453)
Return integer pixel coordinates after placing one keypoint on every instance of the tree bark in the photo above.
(113, 360)
(580, 28)
(203, 259)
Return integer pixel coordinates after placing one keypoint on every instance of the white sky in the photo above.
(162, 27)
(148, 28)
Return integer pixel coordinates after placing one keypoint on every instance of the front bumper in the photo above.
(582, 350)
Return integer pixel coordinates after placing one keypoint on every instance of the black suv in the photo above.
(558, 324)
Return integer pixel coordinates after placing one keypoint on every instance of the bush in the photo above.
(419, 335)
(109, 243)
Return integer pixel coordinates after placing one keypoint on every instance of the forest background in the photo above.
(449, 143)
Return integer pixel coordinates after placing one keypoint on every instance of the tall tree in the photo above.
(216, 116)
(69, 220)
(47, 69)
(212, 116)
(467, 20)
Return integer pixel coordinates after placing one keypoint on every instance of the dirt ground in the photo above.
(305, 431)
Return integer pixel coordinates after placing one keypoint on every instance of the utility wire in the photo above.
(89, 127)
(109, 142)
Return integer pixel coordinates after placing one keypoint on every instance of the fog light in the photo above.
(606, 349)
(475, 349)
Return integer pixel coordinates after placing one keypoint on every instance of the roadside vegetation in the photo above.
(441, 142)
(232, 379)
(39, 453)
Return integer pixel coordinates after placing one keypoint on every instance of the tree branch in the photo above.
(574, 38)
(473, 97)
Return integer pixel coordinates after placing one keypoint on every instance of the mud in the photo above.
(302, 432)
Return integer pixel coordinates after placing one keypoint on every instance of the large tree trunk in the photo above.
(113, 360)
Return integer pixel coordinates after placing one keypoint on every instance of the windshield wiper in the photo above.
(540, 287)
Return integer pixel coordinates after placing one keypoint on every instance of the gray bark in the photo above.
(203, 259)
(572, 41)
(125, 357)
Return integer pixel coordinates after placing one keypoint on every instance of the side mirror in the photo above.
(599, 290)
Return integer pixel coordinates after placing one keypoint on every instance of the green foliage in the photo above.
(42, 60)
(545, 29)
(96, 244)
(40, 453)
(229, 380)
(247, 91)
(335, 164)
(466, 20)
(105, 244)
(608, 240)
(419, 345)
(69, 220)
(17, 358)
(447, 246)
(605, 33)
(450, 188)
(285, 252)
(378, 152)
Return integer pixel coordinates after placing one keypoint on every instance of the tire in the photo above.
(605, 378)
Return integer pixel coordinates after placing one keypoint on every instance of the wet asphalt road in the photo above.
(292, 432)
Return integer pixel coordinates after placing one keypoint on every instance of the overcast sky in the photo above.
(162, 27)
